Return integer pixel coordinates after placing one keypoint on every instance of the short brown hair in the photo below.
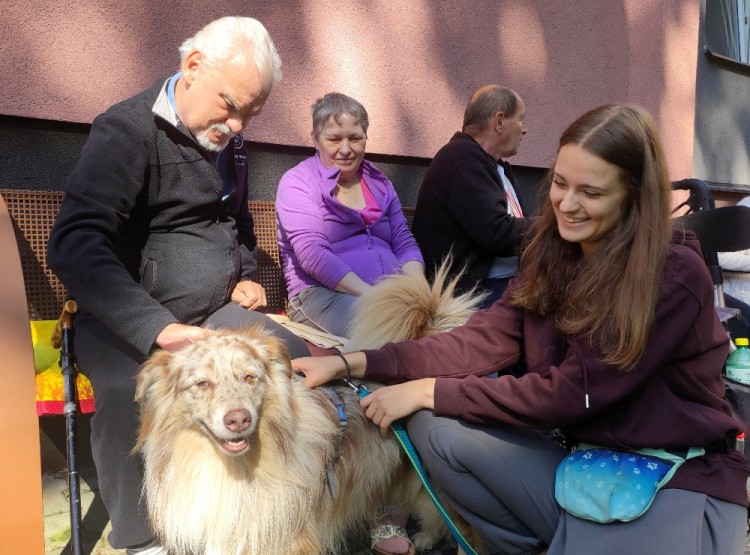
(483, 105)
(334, 105)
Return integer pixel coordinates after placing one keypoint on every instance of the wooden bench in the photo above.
(33, 214)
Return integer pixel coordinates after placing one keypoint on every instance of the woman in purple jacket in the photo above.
(340, 222)
(613, 312)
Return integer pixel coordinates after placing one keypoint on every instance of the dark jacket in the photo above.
(143, 239)
(462, 206)
(673, 398)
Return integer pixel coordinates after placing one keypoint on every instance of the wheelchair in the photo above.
(724, 229)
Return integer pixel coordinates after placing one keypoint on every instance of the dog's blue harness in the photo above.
(338, 402)
(403, 438)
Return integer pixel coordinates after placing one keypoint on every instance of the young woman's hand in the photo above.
(388, 404)
(319, 370)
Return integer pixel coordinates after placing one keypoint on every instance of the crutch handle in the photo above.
(65, 322)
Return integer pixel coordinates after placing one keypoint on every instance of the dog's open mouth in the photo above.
(235, 446)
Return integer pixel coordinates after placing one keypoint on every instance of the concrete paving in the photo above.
(96, 521)
(57, 515)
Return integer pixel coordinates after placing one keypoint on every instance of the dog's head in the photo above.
(216, 386)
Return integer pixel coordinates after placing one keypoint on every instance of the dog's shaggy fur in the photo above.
(236, 450)
(408, 307)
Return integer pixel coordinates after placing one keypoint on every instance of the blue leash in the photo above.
(411, 453)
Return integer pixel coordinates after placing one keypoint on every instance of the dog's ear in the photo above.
(152, 373)
(279, 363)
(281, 360)
(149, 388)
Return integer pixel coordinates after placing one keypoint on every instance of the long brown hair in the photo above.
(612, 292)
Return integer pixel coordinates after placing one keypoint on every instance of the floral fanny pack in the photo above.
(605, 485)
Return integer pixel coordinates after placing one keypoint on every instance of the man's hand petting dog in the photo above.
(176, 336)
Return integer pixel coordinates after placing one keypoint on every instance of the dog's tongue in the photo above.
(234, 445)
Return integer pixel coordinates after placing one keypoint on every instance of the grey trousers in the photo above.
(324, 309)
(112, 366)
(680, 522)
(501, 480)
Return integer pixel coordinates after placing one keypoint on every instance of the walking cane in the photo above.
(62, 339)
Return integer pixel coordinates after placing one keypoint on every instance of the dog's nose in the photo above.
(237, 421)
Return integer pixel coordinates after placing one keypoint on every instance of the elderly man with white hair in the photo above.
(155, 241)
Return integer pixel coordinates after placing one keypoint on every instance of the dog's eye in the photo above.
(203, 384)
(249, 378)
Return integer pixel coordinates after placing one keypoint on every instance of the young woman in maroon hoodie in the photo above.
(613, 313)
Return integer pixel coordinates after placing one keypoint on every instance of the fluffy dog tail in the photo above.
(405, 307)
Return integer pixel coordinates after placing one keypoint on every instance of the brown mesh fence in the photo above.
(33, 213)
(269, 265)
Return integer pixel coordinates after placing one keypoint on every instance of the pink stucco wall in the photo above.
(413, 63)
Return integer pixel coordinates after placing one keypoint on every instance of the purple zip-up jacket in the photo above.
(673, 398)
(321, 240)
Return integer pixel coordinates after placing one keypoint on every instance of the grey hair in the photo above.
(484, 105)
(221, 41)
(334, 105)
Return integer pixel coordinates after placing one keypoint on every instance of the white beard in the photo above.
(206, 143)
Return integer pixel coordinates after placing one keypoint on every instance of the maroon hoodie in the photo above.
(672, 398)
